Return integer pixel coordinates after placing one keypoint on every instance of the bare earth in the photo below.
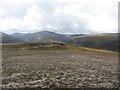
(59, 69)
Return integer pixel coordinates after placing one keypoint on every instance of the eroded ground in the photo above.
(63, 68)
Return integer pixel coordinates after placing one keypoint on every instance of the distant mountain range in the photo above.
(9, 39)
(108, 41)
(41, 37)
(75, 35)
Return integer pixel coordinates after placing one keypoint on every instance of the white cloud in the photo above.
(8, 23)
(66, 16)
(18, 2)
(32, 18)
(2, 11)
(101, 16)
(102, 23)
(28, 22)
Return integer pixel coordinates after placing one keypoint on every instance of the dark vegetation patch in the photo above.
(36, 46)
(99, 41)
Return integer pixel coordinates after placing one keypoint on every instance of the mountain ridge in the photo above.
(5, 38)
(42, 36)
(107, 41)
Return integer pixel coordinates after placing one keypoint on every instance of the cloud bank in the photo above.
(62, 16)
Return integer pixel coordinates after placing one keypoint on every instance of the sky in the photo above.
(61, 16)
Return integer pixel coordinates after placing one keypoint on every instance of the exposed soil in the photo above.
(59, 69)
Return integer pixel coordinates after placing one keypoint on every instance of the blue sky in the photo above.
(62, 16)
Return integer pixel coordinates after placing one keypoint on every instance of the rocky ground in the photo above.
(59, 69)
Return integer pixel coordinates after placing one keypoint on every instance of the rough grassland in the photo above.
(66, 68)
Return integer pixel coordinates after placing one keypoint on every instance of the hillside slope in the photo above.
(5, 38)
(108, 41)
(42, 36)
